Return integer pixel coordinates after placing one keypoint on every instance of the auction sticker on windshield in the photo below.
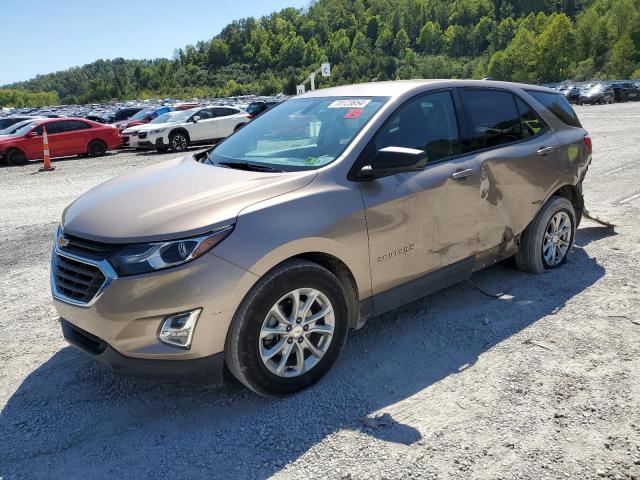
(350, 103)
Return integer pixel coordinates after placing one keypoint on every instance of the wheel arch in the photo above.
(574, 195)
(333, 264)
(179, 130)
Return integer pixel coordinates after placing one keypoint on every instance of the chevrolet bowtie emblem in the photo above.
(62, 242)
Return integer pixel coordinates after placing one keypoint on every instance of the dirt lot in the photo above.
(541, 383)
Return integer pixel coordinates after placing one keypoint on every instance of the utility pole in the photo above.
(325, 70)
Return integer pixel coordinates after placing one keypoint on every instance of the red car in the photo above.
(66, 136)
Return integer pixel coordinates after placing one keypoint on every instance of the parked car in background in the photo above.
(187, 106)
(96, 118)
(66, 136)
(8, 121)
(124, 114)
(571, 93)
(196, 126)
(143, 116)
(136, 137)
(16, 126)
(259, 255)
(625, 92)
(599, 93)
(256, 108)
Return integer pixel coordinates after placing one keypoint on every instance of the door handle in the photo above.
(545, 150)
(462, 174)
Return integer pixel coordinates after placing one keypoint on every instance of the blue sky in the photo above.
(43, 36)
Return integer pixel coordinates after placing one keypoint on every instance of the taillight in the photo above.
(587, 142)
(250, 117)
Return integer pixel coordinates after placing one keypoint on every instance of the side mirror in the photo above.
(391, 160)
(196, 119)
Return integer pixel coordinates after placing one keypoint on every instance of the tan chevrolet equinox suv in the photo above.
(257, 256)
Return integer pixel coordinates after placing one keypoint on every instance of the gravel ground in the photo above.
(541, 383)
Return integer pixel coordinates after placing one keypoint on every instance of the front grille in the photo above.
(134, 134)
(89, 248)
(142, 135)
(76, 280)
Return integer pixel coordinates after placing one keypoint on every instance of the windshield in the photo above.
(142, 114)
(182, 116)
(24, 129)
(595, 89)
(15, 127)
(299, 134)
(164, 118)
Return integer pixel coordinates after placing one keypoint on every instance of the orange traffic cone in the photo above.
(45, 152)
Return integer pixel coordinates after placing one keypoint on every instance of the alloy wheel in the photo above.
(179, 142)
(296, 332)
(557, 239)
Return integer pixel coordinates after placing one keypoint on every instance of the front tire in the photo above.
(547, 240)
(179, 142)
(15, 157)
(289, 330)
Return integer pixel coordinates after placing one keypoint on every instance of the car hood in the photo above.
(173, 199)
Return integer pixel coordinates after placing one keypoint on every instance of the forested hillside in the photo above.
(520, 40)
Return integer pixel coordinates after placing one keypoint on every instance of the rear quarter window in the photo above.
(558, 105)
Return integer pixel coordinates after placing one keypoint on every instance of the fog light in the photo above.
(177, 330)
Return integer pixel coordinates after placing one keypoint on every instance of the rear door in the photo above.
(517, 158)
(71, 140)
(419, 222)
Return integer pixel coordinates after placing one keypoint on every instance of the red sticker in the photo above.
(354, 113)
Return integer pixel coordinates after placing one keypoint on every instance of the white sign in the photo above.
(350, 103)
(326, 69)
(299, 89)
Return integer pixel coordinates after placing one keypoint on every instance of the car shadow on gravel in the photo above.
(38, 163)
(72, 418)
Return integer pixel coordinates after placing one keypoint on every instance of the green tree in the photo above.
(623, 54)
(430, 39)
(556, 41)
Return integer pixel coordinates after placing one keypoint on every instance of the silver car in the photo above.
(332, 207)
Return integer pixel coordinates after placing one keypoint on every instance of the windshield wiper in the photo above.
(249, 166)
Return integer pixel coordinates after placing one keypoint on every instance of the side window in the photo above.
(530, 122)
(425, 123)
(71, 125)
(219, 112)
(558, 105)
(54, 127)
(231, 111)
(205, 114)
(493, 118)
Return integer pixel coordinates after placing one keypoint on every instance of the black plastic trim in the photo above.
(205, 371)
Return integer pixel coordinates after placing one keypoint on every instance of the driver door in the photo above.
(421, 222)
(205, 128)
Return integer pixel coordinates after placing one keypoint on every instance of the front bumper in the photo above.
(207, 371)
(126, 313)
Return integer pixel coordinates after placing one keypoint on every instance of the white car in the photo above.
(197, 125)
(131, 136)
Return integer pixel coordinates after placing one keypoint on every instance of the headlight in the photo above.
(157, 130)
(140, 258)
(127, 131)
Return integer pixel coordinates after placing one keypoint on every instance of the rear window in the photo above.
(558, 105)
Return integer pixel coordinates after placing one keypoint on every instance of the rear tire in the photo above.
(315, 344)
(96, 148)
(15, 157)
(541, 246)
